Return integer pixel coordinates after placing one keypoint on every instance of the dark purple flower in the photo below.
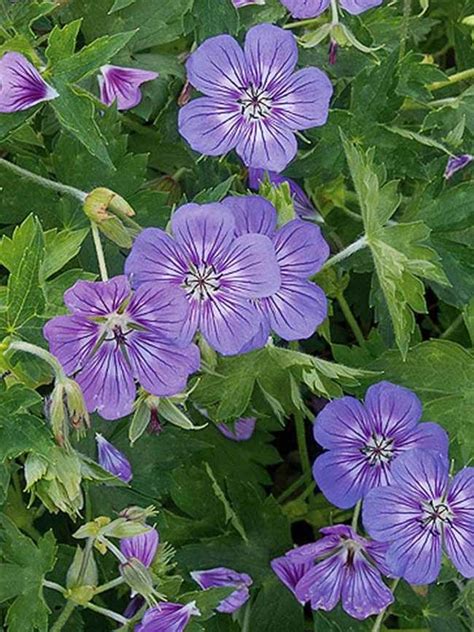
(168, 617)
(342, 566)
(295, 309)
(141, 547)
(254, 100)
(313, 8)
(365, 440)
(112, 460)
(303, 207)
(457, 163)
(422, 512)
(242, 431)
(123, 85)
(113, 336)
(217, 272)
(21, 85)
(217, 577)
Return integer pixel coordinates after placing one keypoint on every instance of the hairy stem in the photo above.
(113, 583)
(107, 613)
(53, 586)
(295, 25)
(100, 252)
(20, 345)
(351, 321)
(355, 516)
(464, 75)
(347, 252)
(49, 184)
(302, 446)
(63, 617)
(334, 13)
(381, 616)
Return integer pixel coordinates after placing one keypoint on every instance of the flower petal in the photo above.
(342, 423)
(305, 8)
(122, 85)
(71, 339)
(267, 145)
(355, 7)
(389, 513)
(242, 430)
(322, 585)
(167, 617)
(112, 460)
(303, 100)
(363, 591)
(301, 249)
(216, 577)
(97, 298)
(423, 473)
(290, 572)
(252, 214)
(394, 409)
(271, 54)
(21, 85)
(416, 556)
(426, 436)
(459, 533)
(142, 547)
(161, 310)
(303, 206)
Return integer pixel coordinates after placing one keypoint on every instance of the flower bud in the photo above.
(111, 213)
(76, 407)
(112, 460)
(140, 580)
(90, 575)
(138, 514)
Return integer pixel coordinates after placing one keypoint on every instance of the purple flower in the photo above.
(141, 547)
(112, 460)
(341, 566)
(365, 440)
(457, 163)
(243, 3)
(303, 207)
(254, 100)
(168, 617)
(421, 513)
(217, 577)
(113, 336)
(295, 309)
(21, 85)
(242, 431)
(217, 272)
(313, 8)
(123, 85)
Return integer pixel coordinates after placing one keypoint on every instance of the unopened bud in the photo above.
(140, 580)
(89, 575)
(138, 514)
(111, 213)
(185, 94)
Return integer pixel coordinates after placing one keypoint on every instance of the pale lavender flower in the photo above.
(21, 85)
(218, 273)
(111, 459)
(242, 429)
(365, 440)
(313, 8)
(218, 577)
(303, 207)
(114, 336)
(168, 617)
(141, 547)
(298, 306)
(122, 85)
(341, 566)
(457, 163)
(244, 3)
(422, 513)
(254, 100)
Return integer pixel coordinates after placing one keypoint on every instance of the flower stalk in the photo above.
(347, 252)
(99, 252)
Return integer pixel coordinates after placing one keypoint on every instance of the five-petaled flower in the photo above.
(21, 85)
(422, 512)
(111, 459)
(365, 440)
(298, 306)
(217, 577)
(254, 100)
(217, 272)
(168, 617)
(122, 85)
(340, 566)
(313, 8)
(113, 337)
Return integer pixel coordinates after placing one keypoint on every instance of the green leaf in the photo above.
(60, 247)
(62, 42)
(21, 574)
(9, 123)
(207, 600)
(214, 17)
(275, 608)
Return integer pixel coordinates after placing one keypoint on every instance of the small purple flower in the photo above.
(141, 547)
(457, 163)
(218, 273)
(238, 4)
(298, 307)
(303, 206)
(313, 8)
(242, 431)
(254, 100)
(422, 512)
(365, 440)
(113, 336)
(112, 460)
(217, 577)
(168, 617)
(21, 85)
(341, 566)
(123, 85)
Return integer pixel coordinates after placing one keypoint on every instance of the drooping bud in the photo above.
(142, 547)
(89, 575)
(185, 94)
(138, 514)
(111, 459)
(169, 185)
(111, 213)
(140, 580)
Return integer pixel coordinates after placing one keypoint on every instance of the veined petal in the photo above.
(142, 547)
(459, 532)
(426, 436)
(21, 85)
(290, 572)
(111, 459)
(71, 339)
(242, 429)
(322, 585)
(342, 423)
(221, 576)
(168, 617)
(355, 7)
(271, 54)
(423, 473)
(122, 85)
(363, 591)
(267, 145)
(305, 8)
(389, 513)
(301, 249)
(394, 409)
(252, 214)
(161, 310)
(97, 298)
(260, 339)
(416, 555)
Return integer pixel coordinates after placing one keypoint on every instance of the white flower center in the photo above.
(116, 327)
(201, 282)
(255, 103)
(378, 450)
(436, 514)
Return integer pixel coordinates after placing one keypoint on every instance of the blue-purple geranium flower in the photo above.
(422, 513)
(241, 430)
(111, 459)
(298, 306)
(218, 577)
(218, 273)
(457, 163)
(113, 337)
(341, 566)
(141, 547)
(168, 617)
(313, 8)
(365, 440)
(122, 85)
(21, 85)
(254, 99)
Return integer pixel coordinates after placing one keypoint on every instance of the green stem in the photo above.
(100, 252)
(295, 25)
(465, 75)
(246, 620)
(347, 252)
(53, 586)
(63, 617)
(452, 327)
(405, 27)
(113, 583)
(307, 492)
(334, 13)
(292, 488)
(107, 613)
(355, 516)
(302, 446)
(50, 184)
(351, 321)
(20, 345)
(381, 616)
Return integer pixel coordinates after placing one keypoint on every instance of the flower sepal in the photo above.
(112, 214)
(90, 575)
(80, 595)
(140, 579)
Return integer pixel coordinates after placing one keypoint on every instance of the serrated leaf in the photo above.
(214, 17)
(9, 123)
(60, 247)
(62, 41)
